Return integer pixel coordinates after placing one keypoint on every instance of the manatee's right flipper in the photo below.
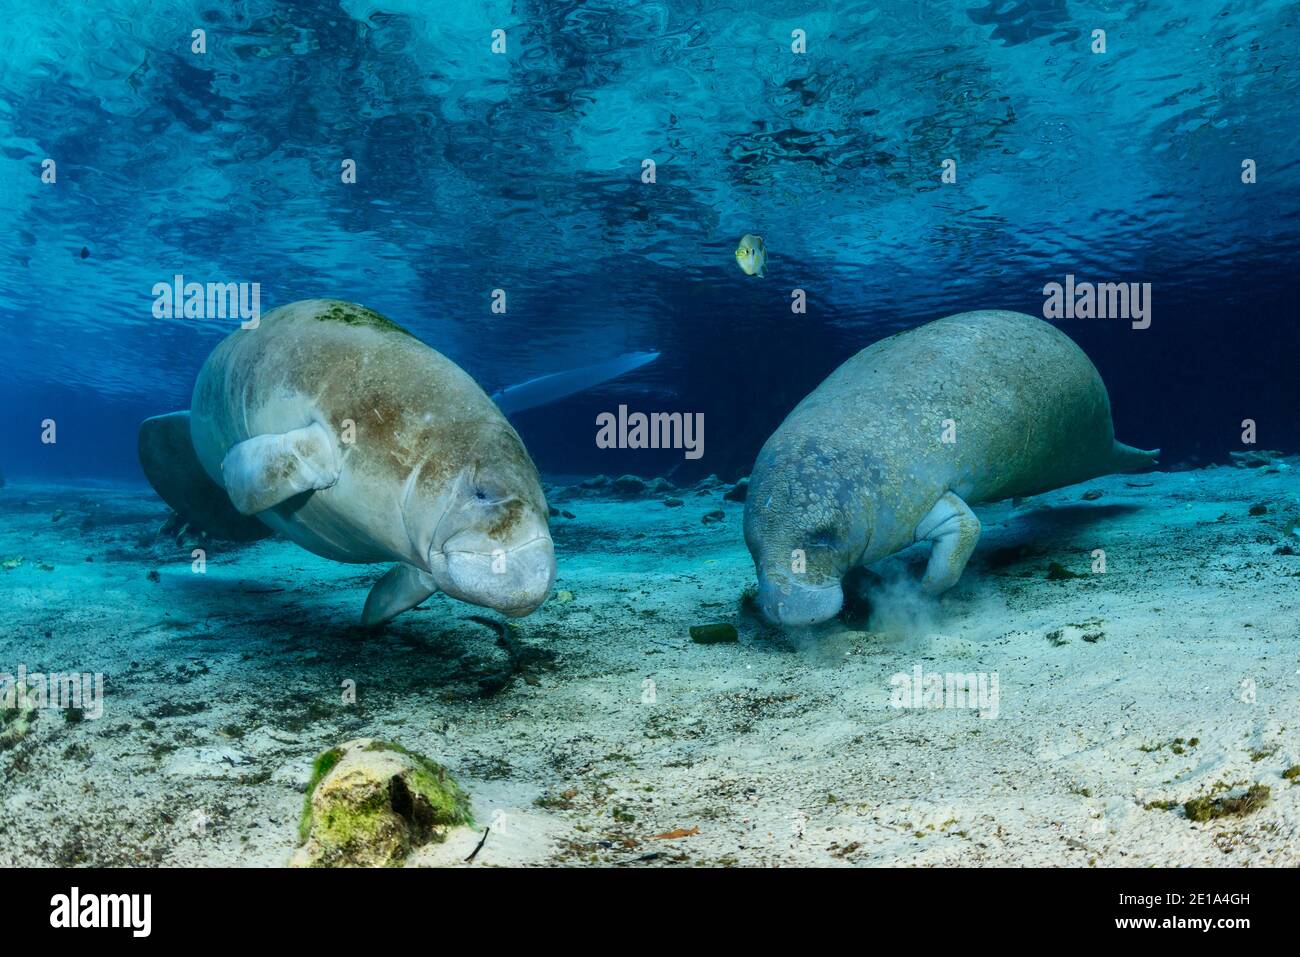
(267, 469)
(954, 530)
(168, 459)
(401, 589)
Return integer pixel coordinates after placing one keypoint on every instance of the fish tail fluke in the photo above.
(1129, 459)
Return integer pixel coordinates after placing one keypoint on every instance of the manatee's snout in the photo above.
(802, 533)
(513, 581)
(794, 604)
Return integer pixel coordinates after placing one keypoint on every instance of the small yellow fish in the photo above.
(751, 255)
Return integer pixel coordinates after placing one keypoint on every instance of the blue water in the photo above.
(522, 171)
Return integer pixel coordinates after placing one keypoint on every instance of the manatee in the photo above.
(898, 442)
(342, 431)
(546, 389)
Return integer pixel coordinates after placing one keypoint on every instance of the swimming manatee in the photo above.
(898, 442)
(339, 429)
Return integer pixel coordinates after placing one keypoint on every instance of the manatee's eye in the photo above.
(481, 494)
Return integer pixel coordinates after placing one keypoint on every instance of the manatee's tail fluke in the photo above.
(558, 385)
(169, 463)
(1129, 459)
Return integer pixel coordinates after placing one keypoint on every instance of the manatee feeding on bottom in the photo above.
(901, 439)
(339, 429)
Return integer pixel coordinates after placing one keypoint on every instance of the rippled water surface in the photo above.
(522, 171)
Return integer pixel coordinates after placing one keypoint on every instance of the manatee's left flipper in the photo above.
(1128, 459)
(401, 589)
(267, 469)
(954, 530)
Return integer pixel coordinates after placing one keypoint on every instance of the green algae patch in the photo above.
(447, 805)
(1159, 805)
(370, 803)
(1292, 773)
(1057, 572)
(1209, 808)
(713, 634)
(350, 314)
(15, 724)
(322, 766)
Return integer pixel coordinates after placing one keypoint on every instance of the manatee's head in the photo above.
(805, 527)
(492, 546)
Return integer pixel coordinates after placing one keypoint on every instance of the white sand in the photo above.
(779, 749)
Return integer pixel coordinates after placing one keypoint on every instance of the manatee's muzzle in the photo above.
(513, 581)
(793, 604)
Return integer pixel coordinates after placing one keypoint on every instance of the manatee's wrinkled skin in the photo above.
(861, 462)
(435, 478)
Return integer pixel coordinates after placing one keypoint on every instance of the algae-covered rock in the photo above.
(628, 486)
(15, 722)
(370, 803)
(713, 634)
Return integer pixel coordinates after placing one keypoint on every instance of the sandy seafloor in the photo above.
(781, 749)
